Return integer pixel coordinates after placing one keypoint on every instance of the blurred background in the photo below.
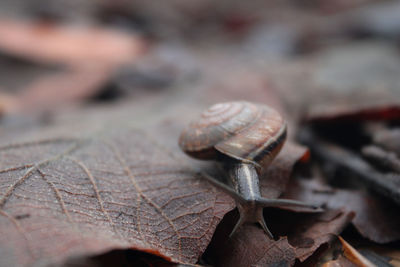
(59, 54)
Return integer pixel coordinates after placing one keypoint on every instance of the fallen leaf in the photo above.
(301, 235)
(7, 102)
(275, 180)
(322, 87)
(95, 188)
(353, 255)
(313, 231)
(82, 196)
(343, 74)
(63, 88)
(91, 55)
(122, 258)
(250, 246)
(375, 218)
(55, 44)
(385, 184)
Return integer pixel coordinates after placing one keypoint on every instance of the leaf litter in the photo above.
(74, 185)
(132, 198)
(136, 192)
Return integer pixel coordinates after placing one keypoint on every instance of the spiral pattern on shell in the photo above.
(241, 130)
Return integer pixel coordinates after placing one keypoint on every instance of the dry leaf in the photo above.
(313, 231)
(366, 72)
(252, 247)
(77, 45)
(277, 176)
(56, 90)
(375, 218)
(353, 255)
(323, 87)
(300, 236)
(82, 196)
(84, 190)
(91, 54)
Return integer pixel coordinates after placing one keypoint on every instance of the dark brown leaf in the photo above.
(250, 246)
(306, 233)
(96, 188)
(346, 111)
(375, 218)
(275, 180)
(386, 184)
(301, 235)
(80, 196)
(344, 74)
(121, 258)
(324, 87)
(314, 231)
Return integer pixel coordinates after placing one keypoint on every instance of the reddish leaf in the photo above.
(347, 112)
(65, 197)
(353, 255)
(60, 89)
(91, 53)
(68, 45)
(7, 103)
(82, 184)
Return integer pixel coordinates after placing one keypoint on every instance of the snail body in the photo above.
(244, 137)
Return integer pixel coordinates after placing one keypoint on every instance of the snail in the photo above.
(244, 137)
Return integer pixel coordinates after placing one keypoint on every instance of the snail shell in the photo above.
(240, 130)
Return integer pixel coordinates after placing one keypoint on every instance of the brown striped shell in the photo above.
(241, 130)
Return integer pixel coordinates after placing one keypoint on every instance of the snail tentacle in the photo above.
(265, 227)
(237, 226)
(281, 203)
